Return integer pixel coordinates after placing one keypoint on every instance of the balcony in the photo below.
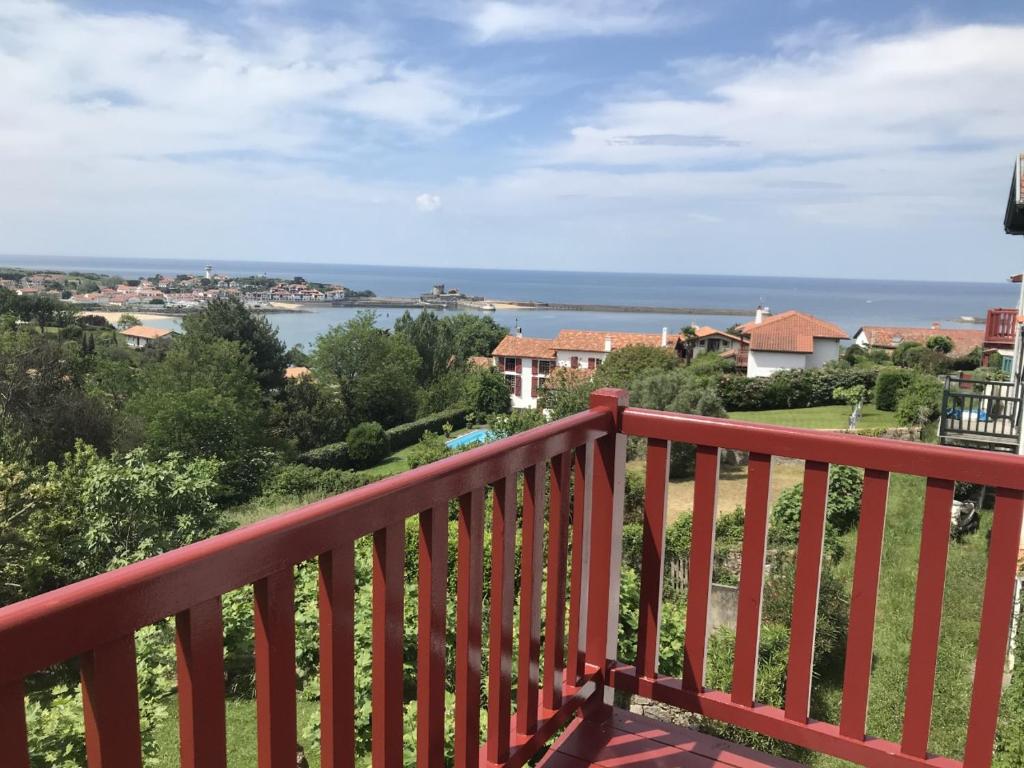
(981, 414)
(1001, 328)
(568, 670)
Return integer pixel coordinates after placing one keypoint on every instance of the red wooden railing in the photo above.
(1000, 327)
(567, 657)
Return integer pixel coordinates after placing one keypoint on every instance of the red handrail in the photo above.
(1000, 325)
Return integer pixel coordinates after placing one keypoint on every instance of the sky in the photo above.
(796, 137)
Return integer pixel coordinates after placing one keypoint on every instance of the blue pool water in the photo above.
(476, 436)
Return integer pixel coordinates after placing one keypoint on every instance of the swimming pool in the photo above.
(470, 438)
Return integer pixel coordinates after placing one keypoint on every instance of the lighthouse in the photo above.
(209, 272)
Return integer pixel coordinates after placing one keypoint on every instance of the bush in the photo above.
(889, 386)
(431, 447)
(942, 344)
(300, 479)
(920, 402)
(633, 504)
(792, 389)
(404, 435)
(368, 443)
(842, 510)
(334, 456)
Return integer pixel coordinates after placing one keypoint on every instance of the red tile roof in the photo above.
(889, 337)
(594, 341)
(522, 346)
(480, 360)
(704, 331)
(790, 331)
(296, 371)
(145, 332)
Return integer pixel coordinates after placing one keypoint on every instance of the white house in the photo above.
(526, 362)
(790, 340)
(704, 338)
(139, 336)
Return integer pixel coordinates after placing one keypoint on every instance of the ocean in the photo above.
(848, 303)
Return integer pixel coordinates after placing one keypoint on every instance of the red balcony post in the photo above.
(468, 608)
(652, 566)
(110, 698)
(337, 657)
(578, 581)
(554, 623)
(13, 731)
(433, 585)
(388, 631)
(499, 686)
(200, 647)
(698, 588)
(606, 539)
(276, 729)
(529, 600)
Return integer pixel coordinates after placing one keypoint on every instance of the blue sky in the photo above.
(800, 137)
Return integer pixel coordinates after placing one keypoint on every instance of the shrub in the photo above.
(519, 420)
(942, 344)
(889, 386)
(633, 504)
(792, 389)
(301, 479)
(842, 510)
(334, 455)
(920, 401)
(368, 443)
(431, 447)
(404, 435)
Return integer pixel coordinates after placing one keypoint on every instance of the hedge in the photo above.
(336, 455)
(791, 389)
(890, 385)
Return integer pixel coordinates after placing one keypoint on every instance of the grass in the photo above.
(820, 417)
(241, 734)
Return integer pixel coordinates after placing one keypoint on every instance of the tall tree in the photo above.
(375, 370)
(231, 320)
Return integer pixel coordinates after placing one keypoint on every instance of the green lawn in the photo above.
(820, 417)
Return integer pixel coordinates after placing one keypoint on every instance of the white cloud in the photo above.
(489, 21)
(427, 202)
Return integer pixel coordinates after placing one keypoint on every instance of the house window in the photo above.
(543, 367)
(574, 362)
(591, 363)
(510, 364)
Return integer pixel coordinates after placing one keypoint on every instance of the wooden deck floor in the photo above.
(632, 740)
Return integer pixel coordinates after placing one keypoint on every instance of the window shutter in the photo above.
(591, 363)
(519, 377)
(574, 362)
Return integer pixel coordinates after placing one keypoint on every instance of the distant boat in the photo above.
(487, 307)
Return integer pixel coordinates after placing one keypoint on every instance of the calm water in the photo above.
(848, 303)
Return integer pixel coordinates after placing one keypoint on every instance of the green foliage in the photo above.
(920, 402)
(487, 391)
(430, 448)
(850, 395)
(43, 396)
(791, 389)
(375, 370)
(633, 505)
(127, 320)
(1009, 748)
(889, 386)
(842, 510)
(407, 434)
(203, 400)
(942, 344)
(309, 414)
(301, 480)
(32, 308)
(625, 366)
(446, 342)
(231, 320)
(368, 443)
(565, 392)
(519, 420)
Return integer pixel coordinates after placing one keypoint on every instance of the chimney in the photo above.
(519, 332)
(759, 315)
(936, 326)
(607, 343)
(664, 336)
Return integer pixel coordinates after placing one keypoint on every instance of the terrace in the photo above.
(980, 414)
(568, 674)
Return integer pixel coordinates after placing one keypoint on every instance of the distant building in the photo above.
(296, 372)
(789, 341)
(889, 337)
(139, 336)
(527, 362)
(708, 339)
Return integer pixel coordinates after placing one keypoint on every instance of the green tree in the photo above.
(375, 370)
(942, 344)
(566, 391)
(231, 320)
(487, 391)
(204, 400)
(310, 414)
(367, 444)
(920, 401)
(127, 320)
(626, 366)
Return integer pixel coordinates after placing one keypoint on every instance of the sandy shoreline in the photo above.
(143, 317)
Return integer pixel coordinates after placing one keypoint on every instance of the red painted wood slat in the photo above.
(609, 460)
(863, 601)
(110, 699)
(388, 632)
(467, 630)
(201, 720)
(13, 732)
(995, 627)
(532, 563)
(652, 566)
(499, 686)
(433, 585)
(578, 576)
(748, 618)
(702, 550)
(275, 670)
(337, 657)
(554, 623)
(805, 592)
(924, 641)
